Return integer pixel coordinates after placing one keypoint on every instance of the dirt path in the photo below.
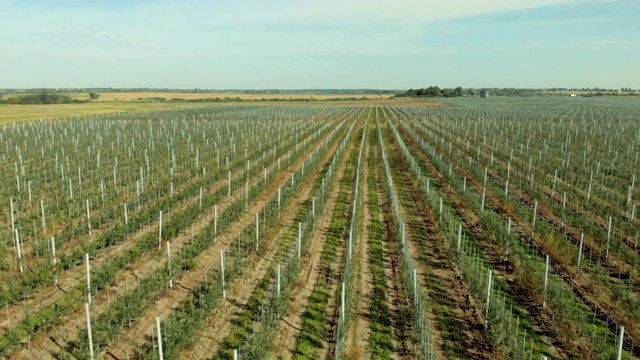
(395, 295)
(221, 321)
(581, 286)
(339, 228)
(287, 330)
(143, 328)
(461, 326)
(127, 280)
(530, 305)
(356, 340)
(69, 279)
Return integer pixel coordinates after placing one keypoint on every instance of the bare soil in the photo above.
(219, 323)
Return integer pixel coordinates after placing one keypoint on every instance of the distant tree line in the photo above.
(432, 91)
(338, 92)
(237, 99)
(40, 97)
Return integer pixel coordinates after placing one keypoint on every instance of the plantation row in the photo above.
(307, 232)
(128, 256)
(575, 320)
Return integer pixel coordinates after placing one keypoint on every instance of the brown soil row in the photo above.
(334, 276)
(221, 321)
(357, 336)
(614, 264)
(581, 285)
(70, 278)
(127, 280)
(396, 297)
(560, 340)
(461, 326)
(138, 334)
(287, 330)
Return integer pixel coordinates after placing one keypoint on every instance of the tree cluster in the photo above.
(42, 97)
(433, 91)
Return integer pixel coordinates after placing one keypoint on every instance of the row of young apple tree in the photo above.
(250, 238)
(418, 298)
(23, 214)
(256, 345)
(526, 256)
(57, 308)
(347, 309)
(275, 286)
(606, 285)
(19, 289)
(593, 193)
(135, 217)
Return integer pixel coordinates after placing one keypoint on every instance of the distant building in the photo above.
(484, 93)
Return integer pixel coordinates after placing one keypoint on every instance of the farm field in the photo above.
(501, 228)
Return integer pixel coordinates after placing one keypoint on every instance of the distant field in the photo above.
(341, 229)
(192, 96)
(10, 113)
(124, 102)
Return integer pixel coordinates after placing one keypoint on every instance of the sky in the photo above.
(319, 44)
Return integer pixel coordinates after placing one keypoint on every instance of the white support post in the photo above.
(224, 291)
(350, 244)
(160, 232)
(278, 280)
(169, 264)
(18, 249)
(299, 238)
(546, 281)
(620, 341)
(580, 250)
(86, 262)
(257, 231)
(415, 285)
(53, 250)
(13, 221)
(44, 225)
(483, 195)
(159, 339)
(88, 215)
(86, 309)
(489, 280)
(215, 221)
(229, 187)
(459, 236)
(608, 236)
(342, 303)
(126, 215)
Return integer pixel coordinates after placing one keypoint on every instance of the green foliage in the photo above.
(432, 91)
(93, 95)
(42, 97)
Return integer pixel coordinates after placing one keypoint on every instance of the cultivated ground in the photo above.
(354, 230)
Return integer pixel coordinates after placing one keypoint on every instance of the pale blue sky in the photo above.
(287, 44)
